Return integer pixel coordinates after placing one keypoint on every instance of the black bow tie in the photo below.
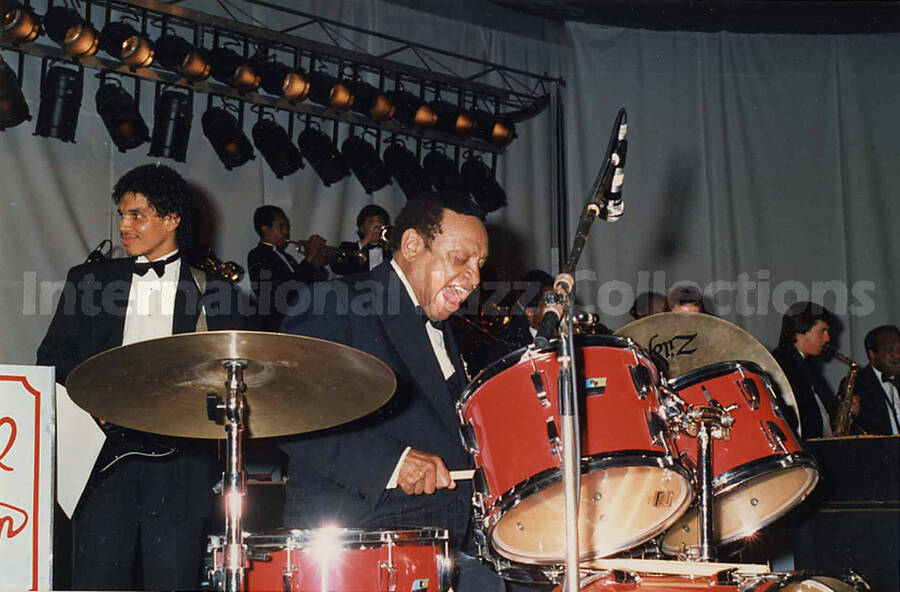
(891, 379)
(158, 266)
(439, 325)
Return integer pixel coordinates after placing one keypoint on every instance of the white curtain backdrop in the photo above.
(761, 167)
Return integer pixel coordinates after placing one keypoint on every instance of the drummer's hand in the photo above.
(423, 473)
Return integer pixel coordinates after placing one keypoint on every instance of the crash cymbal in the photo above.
(294, 384)
(690, 340)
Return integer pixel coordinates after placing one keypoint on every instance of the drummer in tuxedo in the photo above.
(147, 512)
(392, 468)
(276, 277)
(878, 384)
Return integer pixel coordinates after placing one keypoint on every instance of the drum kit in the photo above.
(684, 445)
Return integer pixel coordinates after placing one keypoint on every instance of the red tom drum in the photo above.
(343, 560)
(759, 474)
(632, 487)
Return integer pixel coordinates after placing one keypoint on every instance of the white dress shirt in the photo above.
(436, 337)
(151, 303)
(893, 398)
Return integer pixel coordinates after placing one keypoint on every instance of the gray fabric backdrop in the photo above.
(761, 167)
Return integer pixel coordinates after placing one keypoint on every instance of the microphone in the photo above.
(553, 309)
(98, 254)
(613, 206)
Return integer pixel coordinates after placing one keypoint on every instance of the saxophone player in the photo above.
(877, 384)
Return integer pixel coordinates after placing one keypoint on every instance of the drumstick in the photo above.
(462, 475)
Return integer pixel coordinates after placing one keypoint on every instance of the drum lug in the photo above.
(470, 441)
(657, 428)
(537, 381)
(387, 577)
(726, 577)
(642, 380)
(445, 569)
(554, 439)
(750, 392)
(775, 435)
(480, 486)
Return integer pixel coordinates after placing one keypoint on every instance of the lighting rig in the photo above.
(382, 107)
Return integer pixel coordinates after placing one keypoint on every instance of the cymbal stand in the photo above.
(233, 493)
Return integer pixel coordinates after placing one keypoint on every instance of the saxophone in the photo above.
(843, 420)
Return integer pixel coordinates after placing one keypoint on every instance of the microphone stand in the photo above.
(560, 315)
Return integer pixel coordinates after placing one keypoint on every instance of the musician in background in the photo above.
(646, 304)
(805, 331)
(370, 223)
(685, 299)
(143, 511)
(276, 277)
(877, 384)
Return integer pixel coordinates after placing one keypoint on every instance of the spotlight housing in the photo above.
(492, 128)
(327, 90)
(442, 171)
(60, 103)
(227, 138)
(232, 69)
(405, 168)
(76, 36)
(178, 55)
(480, 182)
(18, 23)
(121, 117)
(282, 81)
(412, 110)
(318, 149)
(372, 102)
(453, 119)
(372, 173)
(13, 108)
(173, 113)
(276, 147)
(124, 42)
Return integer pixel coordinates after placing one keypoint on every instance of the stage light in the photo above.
(412, 110)
(124, 42)
(60, 104)
(480, 182)
(172, 116)
(442, 171)
(76, 36)
(178, 55)
(227, 138)
(13, 108)
(372, 102)
(491, 128)
(121, 117)
(327, 90)
(18, 23)
(318, 149)
(405, 168)
(232, 69)
(282, 81)
(276, 147)
(453, 119)
(372, 173)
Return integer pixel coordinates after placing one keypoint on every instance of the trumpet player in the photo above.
(878, 383)
(370, 224)
(276, 277)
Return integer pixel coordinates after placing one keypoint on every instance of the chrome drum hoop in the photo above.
(737, 476)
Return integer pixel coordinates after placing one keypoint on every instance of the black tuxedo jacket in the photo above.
(339, 475)
(803, 379)
(353, 265)
(873, 415)
(275, 286)
(90, 318)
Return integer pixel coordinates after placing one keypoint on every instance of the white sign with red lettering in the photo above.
(26, 476)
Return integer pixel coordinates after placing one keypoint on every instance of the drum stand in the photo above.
(709, 423)
(234, 552)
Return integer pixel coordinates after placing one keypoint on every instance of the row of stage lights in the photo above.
(61, 91)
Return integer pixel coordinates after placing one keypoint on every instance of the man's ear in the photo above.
(172, 221)
(412, 244)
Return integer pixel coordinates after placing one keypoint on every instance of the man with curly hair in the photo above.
(141, 511)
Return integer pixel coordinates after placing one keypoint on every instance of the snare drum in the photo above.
(760, 473)
(343, 560)
(619, 581)
(632, 485)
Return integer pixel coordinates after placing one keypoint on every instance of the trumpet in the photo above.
(338, 255)
(227, 270)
